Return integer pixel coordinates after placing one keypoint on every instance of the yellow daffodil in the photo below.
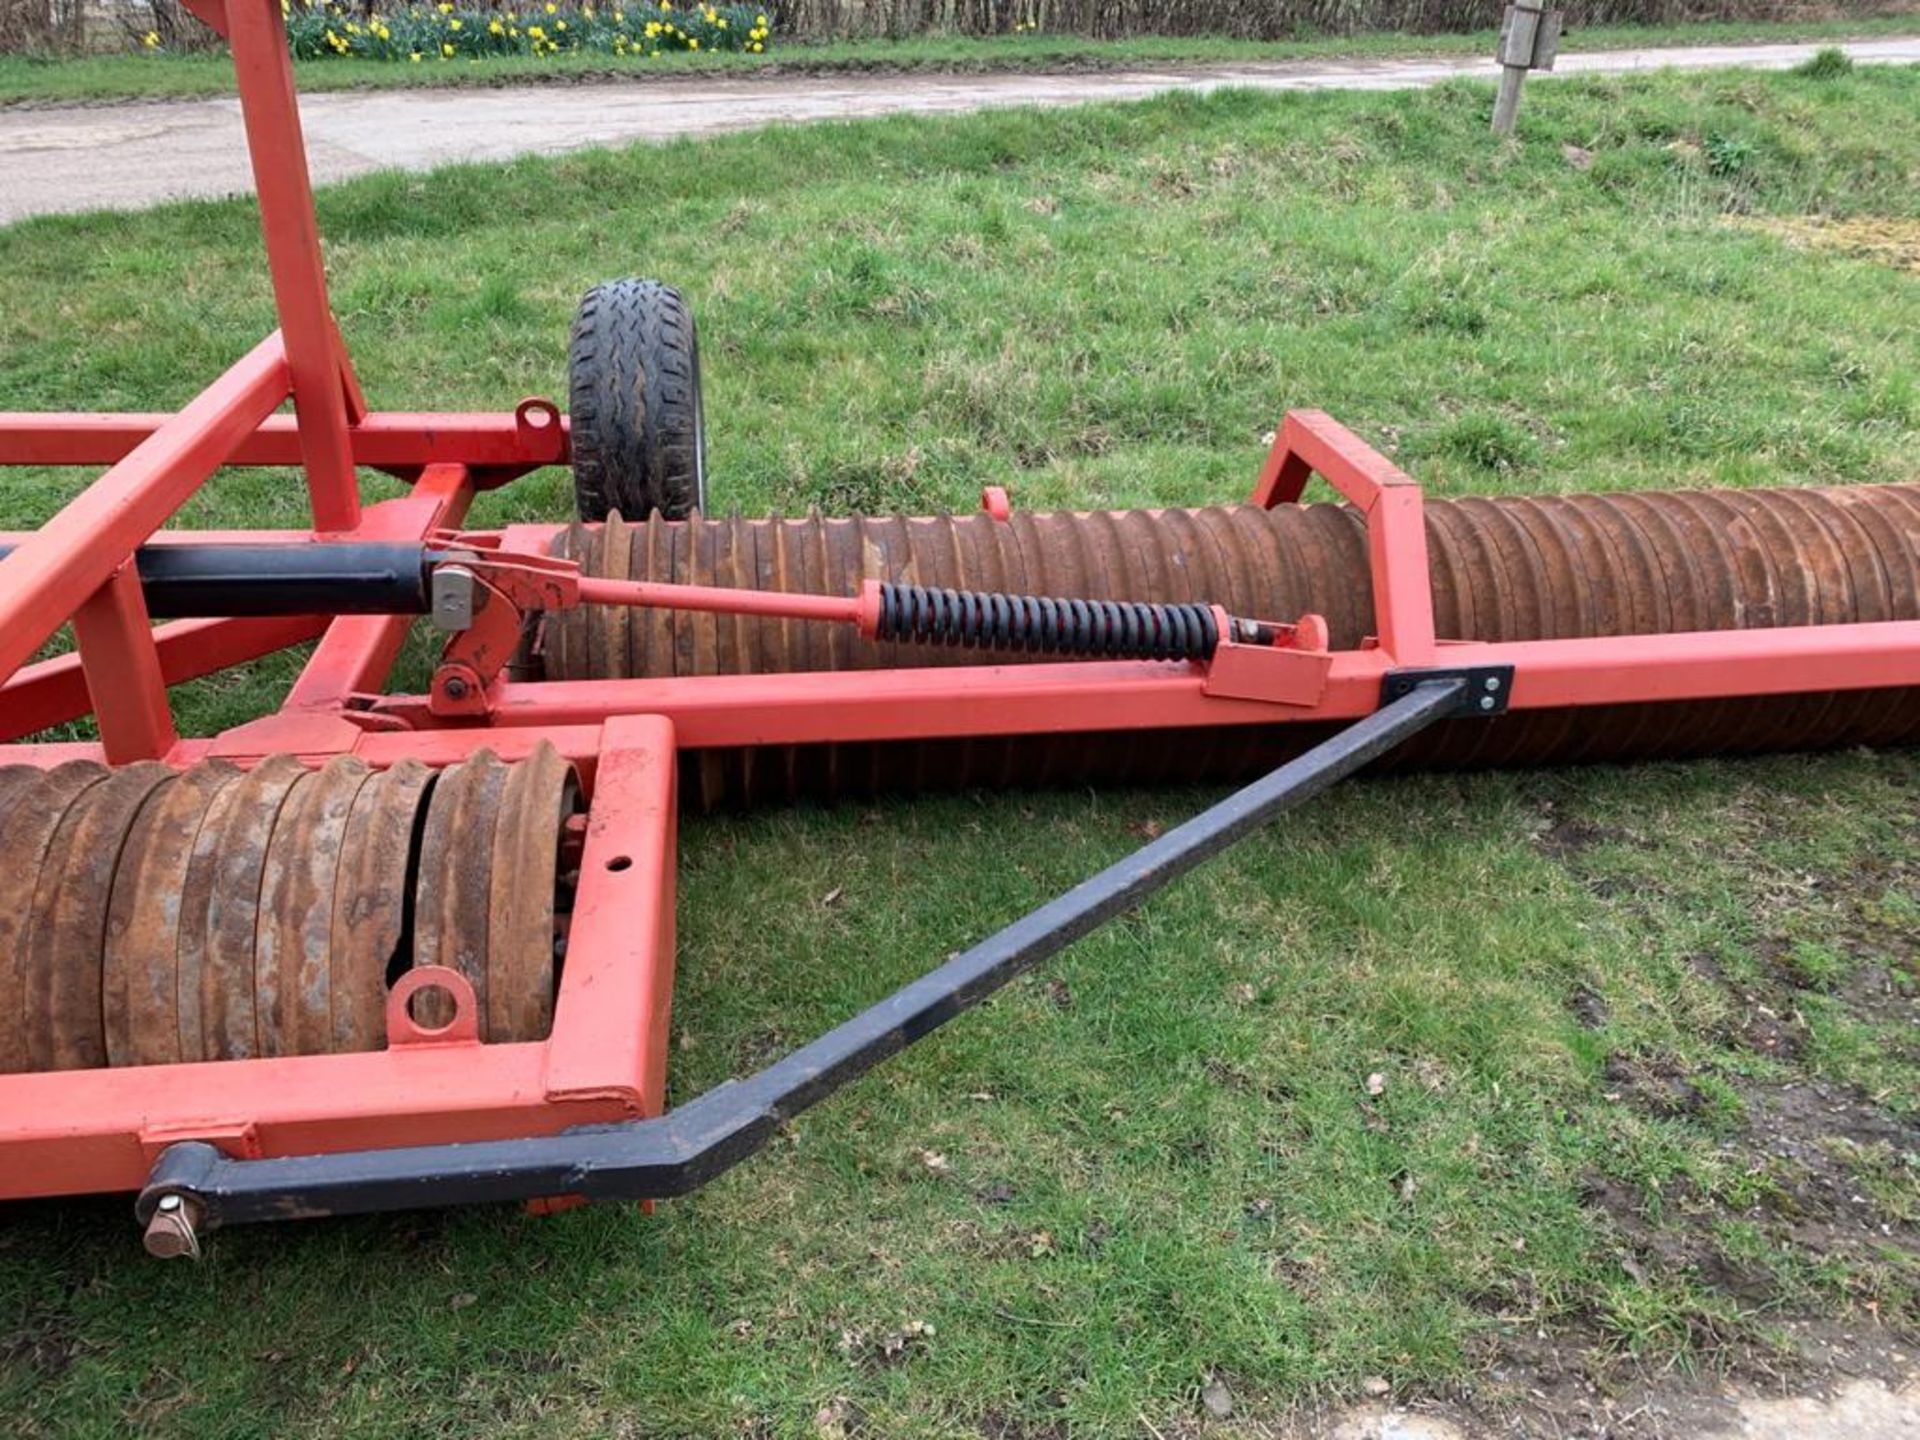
(496, 28)
(446, 52)
(415, 57)
(151, 40)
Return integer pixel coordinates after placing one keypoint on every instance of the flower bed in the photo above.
(445, 31)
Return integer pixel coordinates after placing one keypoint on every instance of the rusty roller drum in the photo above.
(149, 916)
(1556, 567)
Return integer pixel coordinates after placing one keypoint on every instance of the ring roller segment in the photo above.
(1503, 569)
(151, 916)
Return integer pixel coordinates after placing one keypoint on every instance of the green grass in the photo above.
(136, 76)
(1160, 1158)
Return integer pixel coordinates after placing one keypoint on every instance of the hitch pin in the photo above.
(173, 1232)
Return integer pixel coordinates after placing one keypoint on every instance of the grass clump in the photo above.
(1491, 444)
(1829, 63)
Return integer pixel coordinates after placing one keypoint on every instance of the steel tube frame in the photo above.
(605, 1059)
(498, 445)
(71, 1132)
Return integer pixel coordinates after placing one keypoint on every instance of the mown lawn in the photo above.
(32, 79)
(1641, 1036)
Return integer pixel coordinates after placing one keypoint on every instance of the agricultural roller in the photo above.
(380, 950)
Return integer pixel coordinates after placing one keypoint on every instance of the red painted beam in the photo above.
(121, 663)
(55, 691)
(48, 578)
(388, 440)
(264, 71)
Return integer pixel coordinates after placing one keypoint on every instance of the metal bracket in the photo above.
(1288, 667)
(479, 598)
(1530, 36)
(452, 598)
(1487, 691)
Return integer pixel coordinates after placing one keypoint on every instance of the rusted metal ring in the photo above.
(41, 801)
(141, 967)
(370, 903)
(220, 911)
(65, 947)
(539, 795)
(293, 942)
(452, 903)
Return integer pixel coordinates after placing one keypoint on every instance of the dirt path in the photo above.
(1864, 1410)
(137, 154)
(1858, 1410)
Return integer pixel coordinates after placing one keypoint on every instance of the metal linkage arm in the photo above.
(195, 1184)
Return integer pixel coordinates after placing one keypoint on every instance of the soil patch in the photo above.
(1867, 237)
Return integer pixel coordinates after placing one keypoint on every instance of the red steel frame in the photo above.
(96, 1130)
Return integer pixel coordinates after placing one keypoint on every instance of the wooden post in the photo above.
(1506, 105)
(1529, 40)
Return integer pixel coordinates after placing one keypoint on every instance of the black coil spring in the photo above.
(1111, 629)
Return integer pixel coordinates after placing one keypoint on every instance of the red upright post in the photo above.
(279, 154)
(122, 668)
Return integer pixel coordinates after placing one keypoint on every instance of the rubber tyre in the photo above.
(633, 381)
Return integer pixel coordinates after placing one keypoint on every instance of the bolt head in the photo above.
(1493, 682)
(1486, 703)
(456, 689)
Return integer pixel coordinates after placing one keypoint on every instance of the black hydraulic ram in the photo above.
(209, 579)
(194, 1184)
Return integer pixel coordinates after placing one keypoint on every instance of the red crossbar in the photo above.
(390, 440)
(53, 571)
